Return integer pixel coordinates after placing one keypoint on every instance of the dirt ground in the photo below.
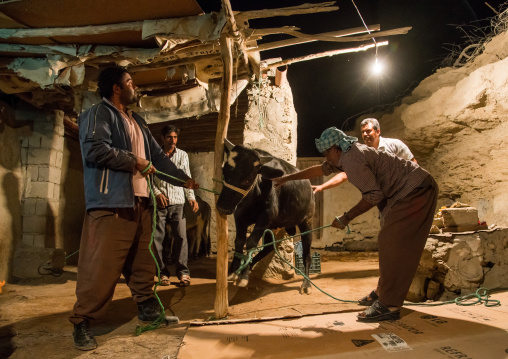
(33, 315)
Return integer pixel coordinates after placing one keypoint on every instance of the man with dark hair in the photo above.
(170, 202)
(118, 153)
(406, 196)
(371, 135)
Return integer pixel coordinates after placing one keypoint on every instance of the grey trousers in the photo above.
(178, 252)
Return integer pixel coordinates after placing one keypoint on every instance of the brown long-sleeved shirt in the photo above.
(381, 177)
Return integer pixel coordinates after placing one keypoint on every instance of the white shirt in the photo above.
(176, 195)
(396, 147)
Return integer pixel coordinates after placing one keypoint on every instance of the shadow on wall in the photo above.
(10, 187)
(72, 199)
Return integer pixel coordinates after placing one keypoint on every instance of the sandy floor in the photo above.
(33, 315)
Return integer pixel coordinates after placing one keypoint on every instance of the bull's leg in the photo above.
(241, 238)
(252, 242)
(306, 244)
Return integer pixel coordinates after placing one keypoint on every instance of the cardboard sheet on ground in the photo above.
(448, 331)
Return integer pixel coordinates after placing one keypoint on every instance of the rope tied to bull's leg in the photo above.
(246, 259)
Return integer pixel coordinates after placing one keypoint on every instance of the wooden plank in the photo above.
(265, 67)
(290, 30)
(296, 41)
(221, 290)
(286, 11)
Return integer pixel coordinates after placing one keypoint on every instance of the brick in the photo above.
(40, 241)
(38, 156)
(457, 217)
(50, 174)
(29, 206)
(34, 224)
(28, 239)
(41, 207)
(54, 208)
(60, 130)
(53, 141)
(33, 173)
(34, 141)
(59, 159)
(52, 158)
(56, 192)
(24, 156)
(40, 190)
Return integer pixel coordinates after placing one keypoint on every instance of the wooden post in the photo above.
(221, 289)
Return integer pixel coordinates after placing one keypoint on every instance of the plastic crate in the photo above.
(315, 263)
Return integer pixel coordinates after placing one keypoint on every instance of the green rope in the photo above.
(183, 181)
(156, 323)
(481, 296)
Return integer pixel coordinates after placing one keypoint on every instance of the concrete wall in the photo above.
(72, 200)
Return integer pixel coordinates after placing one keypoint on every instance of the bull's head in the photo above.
(240, 172)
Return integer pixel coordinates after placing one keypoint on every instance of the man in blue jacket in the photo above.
(118, 154)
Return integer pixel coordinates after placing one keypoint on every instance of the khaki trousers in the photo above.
(401, 241)
(113, 242)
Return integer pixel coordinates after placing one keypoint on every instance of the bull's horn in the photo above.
(228, 144)
(265, 159)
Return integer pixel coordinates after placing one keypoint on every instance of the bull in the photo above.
(248, 192)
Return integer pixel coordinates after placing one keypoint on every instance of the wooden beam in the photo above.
(286, 11)
(71, 31)
(221, 289)
(297, 41)
(289, 30)
(319, 55)
(237, 36)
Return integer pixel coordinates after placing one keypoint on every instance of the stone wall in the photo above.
(459, 263)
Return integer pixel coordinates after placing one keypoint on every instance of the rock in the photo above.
(456, 217)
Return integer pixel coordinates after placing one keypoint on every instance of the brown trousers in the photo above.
(401, 241)
(113, 242)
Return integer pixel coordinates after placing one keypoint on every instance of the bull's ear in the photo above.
(228, 145)
(270, 172)
(265, 159)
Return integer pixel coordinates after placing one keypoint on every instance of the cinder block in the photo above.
(41, 207)
(56, 192)
(24, 143)
(33, 172)
(52, 158)
(54, 208)
(50, 174)
(40, 190)
(34, 224)
(24, 156)
(34, 141)
(29, 206)
(40, 241)
(38, 156)
(28, 239)
(59, 159)
(456, 217)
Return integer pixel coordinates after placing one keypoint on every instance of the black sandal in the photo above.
(366, 301)
(378, 312)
